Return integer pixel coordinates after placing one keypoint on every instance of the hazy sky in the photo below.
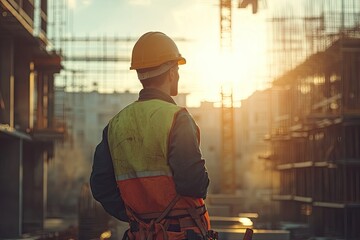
(207, 68)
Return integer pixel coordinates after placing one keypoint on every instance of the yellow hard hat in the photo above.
(154, 49)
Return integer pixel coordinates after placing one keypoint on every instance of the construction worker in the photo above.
(148, 169)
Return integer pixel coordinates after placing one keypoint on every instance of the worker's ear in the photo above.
(174, 75)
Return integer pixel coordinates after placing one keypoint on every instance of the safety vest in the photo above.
(138, 139)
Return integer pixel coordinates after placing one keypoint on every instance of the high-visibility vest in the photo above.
(138, 139)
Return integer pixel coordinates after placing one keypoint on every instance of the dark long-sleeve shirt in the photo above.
(184, 158)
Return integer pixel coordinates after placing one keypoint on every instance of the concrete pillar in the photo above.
(7, 81)
(22, 86)
(42, 100)
(11, 172)
(34, 186)
(45, 99)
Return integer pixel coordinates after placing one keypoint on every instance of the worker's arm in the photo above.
(103, 182)
(189, 172)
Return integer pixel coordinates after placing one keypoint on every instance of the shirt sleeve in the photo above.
(103, 182)
(185, 159)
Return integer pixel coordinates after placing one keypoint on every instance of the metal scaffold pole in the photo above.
(228, 183)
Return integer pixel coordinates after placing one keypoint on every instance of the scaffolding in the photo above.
(316, 133)
(93, 63)
(299, 30)
(228, 174)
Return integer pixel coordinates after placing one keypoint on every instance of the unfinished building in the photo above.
(316, 138)
(27, 125)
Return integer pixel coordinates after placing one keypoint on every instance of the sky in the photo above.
(208, 68)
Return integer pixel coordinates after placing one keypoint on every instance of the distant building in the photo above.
(208, 118)
(253, 169)
(256, 115)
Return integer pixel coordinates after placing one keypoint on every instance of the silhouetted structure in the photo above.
(316, 138)
(27, 125)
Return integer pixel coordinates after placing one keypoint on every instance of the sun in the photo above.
(243, 67)
(217, 70)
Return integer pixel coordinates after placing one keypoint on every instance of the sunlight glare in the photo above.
(71, 4)
(219, 69)
(245, 221)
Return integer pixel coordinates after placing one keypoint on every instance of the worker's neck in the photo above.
(162, 88)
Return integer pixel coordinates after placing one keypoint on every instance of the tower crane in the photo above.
(226, 16)
(228, 152)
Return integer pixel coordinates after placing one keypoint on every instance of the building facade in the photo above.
(315, 143)
(28, 128)
(256, 116)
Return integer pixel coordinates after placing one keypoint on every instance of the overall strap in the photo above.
(197, 219)
(147, 234)
(168, 208)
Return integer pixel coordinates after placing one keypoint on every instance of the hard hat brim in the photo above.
(181, 61)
